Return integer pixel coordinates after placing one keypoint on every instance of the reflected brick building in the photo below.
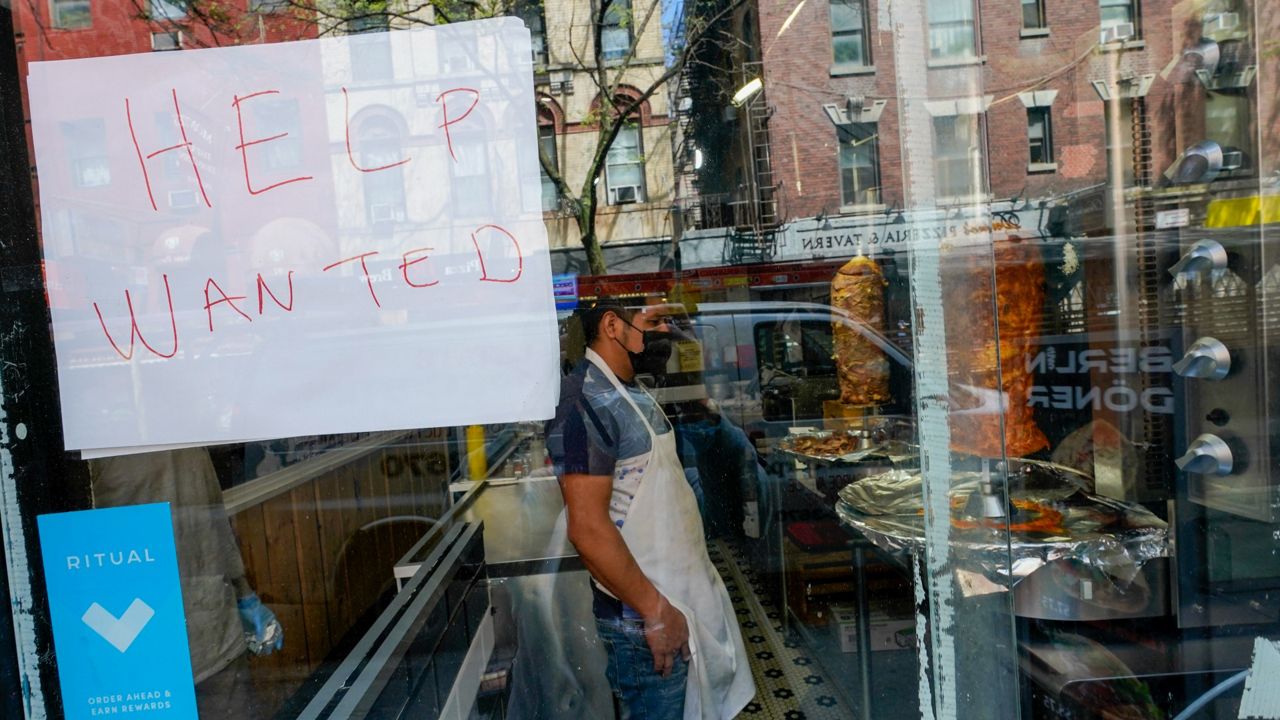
(1000, 103)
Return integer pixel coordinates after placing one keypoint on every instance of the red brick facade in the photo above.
(800, 79)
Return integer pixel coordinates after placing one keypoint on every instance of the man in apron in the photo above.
(661, 609)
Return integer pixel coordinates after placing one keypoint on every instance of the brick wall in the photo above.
(799, 80)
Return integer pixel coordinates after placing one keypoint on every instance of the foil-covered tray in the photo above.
(1052, 517)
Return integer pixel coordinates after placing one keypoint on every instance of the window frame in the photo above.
(533, 13)
(1122, 144)
(470, 174)
(632, 126)
(612, 23)
(268, 7)
(1042, 20)
(166, 10)
(969, 20)
(86, 147)
(1134, 12)
(175, 34)
(1048, 157)
(56, 16)
(974, 158)
(861, 32)
(847, 138)
(547, 138)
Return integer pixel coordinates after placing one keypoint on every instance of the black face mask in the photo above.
(652, 360)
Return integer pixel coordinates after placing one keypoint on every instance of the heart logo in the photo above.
(121, 631)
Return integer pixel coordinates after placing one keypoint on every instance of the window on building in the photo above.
(849, 32)
(1119, 137)
(859, 164)
(274, 116)
(459, 57)
(162, 41)
(957, 151)
(71, 14)
(547, 147)
(615, 30)
(86, 143)
(265, 7)
(379, 145)
(471, 188)
(1040, 135)
(1118, 13)
(1033, 15)
(531, 12)
(370, 53)
(624, 168)
(167, 9)
(951, 29)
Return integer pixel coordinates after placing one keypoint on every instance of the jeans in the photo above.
(642, 693)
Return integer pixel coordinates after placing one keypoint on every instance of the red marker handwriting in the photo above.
(262, 288)
(406, 263)
(135, 331)
(244, 145)
(346, 103)
(475, 100)
(484, 272)
(364, 268)
(184, 145)
(228, 299)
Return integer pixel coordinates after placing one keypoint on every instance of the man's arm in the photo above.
(603, 551)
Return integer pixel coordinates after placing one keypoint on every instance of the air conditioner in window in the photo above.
(1116, 33)
(624, 194)
(1221, 22)
(383, 213)
(182, 199)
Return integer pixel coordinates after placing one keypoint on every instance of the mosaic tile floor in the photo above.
(789, 683)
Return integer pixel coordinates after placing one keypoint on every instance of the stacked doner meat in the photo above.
(862, 368)
(975, 374)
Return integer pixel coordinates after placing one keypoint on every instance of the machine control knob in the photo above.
(1203, 255)
(1207, 455)
(1207, 359)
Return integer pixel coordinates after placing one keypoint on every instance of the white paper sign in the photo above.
(315, 237)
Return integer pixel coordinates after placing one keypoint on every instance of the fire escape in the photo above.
(689, 214)
(755, 211)
(749, 211)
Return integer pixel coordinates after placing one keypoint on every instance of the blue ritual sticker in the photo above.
(116, 604)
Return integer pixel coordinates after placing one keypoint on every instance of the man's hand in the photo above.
(603, 551)
(667, 634)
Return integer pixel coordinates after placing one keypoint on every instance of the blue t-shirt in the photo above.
(595, 428)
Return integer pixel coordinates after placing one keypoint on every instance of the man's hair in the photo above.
(594, 313)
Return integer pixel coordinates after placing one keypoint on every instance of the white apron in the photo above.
(663, 531)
